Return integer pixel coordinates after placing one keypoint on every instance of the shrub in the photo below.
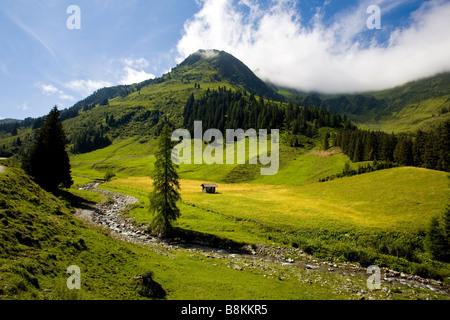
(426, 271)
(147, 287)
(109, 174)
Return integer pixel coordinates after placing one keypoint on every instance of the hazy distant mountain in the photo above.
(8, 121)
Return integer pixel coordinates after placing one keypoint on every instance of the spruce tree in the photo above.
(403, 153)
(164, 197)
(444, 144)
(419, 147)
(437, 242)
(326, 143)
(446, 221)
(48, 161)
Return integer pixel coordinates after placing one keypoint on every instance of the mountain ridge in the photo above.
(415, 105)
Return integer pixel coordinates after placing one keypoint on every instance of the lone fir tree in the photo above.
(164, 197)
(48, 161)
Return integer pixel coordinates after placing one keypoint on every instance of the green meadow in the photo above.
(379, 217)
(353, 205)
(41, 238)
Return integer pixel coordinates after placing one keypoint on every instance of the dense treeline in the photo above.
(9, 127)
(35, 123)
(424, 149)
(348, 172)
(139, 114)
(226, 109)
(357, 104)
(90, 140)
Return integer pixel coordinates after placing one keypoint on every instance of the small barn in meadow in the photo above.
(209, 187)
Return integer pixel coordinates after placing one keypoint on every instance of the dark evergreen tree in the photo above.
(444, 147)
(48, 161)
(326, 143)
(437, 240)
(419, 147)
(403, 153)
(14, 131)
(89, 139)
(165, 194)
(431, 151)
(446, 222)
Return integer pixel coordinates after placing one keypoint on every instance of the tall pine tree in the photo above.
(48, 161)
(326, 143)
(164, 197)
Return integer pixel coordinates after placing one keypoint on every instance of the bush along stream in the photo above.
(109, 214)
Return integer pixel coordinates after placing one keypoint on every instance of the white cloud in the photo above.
(86, 87)
(122, 72)
(47, 89)
(318, 56)
(135, 76)
(136, 63)
(64, 96)
(134, 71)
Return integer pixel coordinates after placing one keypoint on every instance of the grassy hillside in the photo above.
(412, 106)
(405, 108)
(40, 238)
(133, 157)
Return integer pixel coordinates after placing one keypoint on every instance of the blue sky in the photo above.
(308, 45)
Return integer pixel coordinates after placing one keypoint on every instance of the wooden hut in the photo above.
(209, 187)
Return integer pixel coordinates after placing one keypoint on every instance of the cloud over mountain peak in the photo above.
(318, 55)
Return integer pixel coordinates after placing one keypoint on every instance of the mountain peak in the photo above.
(202, 54)
(231, 69)
(209, 53)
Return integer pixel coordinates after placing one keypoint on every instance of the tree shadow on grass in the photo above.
(179, 236)
(73, 199)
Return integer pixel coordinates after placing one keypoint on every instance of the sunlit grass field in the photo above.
(409, 198)
(379, 217)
